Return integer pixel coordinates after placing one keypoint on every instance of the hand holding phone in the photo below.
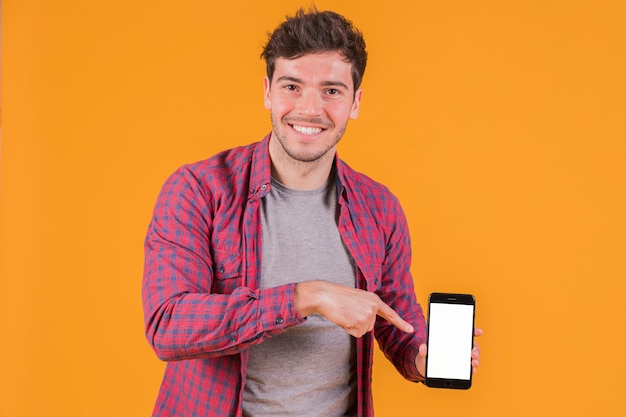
(450, 340)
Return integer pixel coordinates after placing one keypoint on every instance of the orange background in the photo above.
(498, 124)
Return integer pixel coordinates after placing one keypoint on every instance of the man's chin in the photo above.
(305, 157)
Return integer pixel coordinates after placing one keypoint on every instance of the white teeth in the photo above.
(307, 130)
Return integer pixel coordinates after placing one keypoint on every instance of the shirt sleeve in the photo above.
(183, 318)
(398, 292)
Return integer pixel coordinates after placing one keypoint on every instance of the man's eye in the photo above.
(332, 91)
(291, 87)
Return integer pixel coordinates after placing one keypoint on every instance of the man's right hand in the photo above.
(353, 309)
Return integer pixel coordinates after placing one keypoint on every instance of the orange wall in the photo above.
(499, 125)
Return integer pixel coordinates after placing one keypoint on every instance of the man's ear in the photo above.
(356, 104)
(267, 101)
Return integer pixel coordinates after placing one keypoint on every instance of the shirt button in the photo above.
(233, 339)
(221, 270)
(264, 187)
(279, 320)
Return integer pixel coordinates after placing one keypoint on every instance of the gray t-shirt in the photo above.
(310, 369)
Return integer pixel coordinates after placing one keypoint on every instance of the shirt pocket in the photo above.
(227, 272)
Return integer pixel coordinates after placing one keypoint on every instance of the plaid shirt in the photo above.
(202, 303)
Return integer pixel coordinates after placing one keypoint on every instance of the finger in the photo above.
(392, 317)
(476, 352)
(354, 332)
(420, 360)
(475, 364)
(371, 323)
(361, 328)
(422, 350)
(478, 332)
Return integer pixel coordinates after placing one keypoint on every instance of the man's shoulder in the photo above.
(225, 172)
(233, 159)
(368, 197)
(359, 182)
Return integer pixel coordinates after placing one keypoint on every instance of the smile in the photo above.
(310, 131)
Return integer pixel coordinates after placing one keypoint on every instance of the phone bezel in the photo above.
(449, 298)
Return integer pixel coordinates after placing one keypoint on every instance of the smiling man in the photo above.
(271, 268)
(311, 99)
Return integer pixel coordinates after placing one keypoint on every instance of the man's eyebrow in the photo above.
(325, 83)
(288, 78)
(335, 84)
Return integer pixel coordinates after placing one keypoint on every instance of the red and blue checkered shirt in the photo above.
(202, 303)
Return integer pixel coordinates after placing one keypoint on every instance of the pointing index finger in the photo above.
(392, 317)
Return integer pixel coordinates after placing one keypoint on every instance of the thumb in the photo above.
(420, 360)
(422, 350)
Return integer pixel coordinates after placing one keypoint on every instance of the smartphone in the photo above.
(450, 340)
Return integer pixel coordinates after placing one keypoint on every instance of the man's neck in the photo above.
(299, 175)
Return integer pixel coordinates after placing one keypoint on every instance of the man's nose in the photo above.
(310, 103)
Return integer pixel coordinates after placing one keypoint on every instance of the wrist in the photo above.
(306, 300)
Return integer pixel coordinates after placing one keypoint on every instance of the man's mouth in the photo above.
(307, 130)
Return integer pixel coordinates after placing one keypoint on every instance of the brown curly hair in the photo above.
(314, 32)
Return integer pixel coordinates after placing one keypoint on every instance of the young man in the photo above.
(271, 268)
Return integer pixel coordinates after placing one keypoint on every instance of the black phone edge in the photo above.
(450, 298)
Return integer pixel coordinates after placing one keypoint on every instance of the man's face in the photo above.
(311, 99)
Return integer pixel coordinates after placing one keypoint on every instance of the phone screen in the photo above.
(450, 339)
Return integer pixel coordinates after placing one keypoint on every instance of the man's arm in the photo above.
(397, 290)
(352, 309)
(183, 318)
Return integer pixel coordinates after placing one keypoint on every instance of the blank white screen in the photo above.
(450, 341)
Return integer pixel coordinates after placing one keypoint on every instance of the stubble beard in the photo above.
(311, 157)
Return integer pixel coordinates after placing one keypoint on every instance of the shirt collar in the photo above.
(341, 178)
(261, 171)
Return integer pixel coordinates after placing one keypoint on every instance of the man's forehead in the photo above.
(323, 67)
